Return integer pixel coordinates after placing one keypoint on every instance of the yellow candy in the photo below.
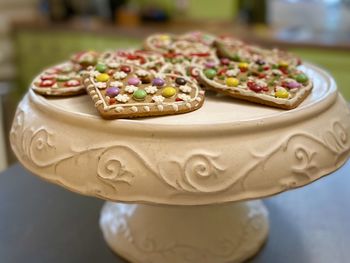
(164, 37)
(243, 65)
(283, 64)
(168, 92)
(232, 82)
(282, 93)
(102, 77)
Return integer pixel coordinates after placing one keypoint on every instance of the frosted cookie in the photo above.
(199, 36)
(274, 85)
(159, 42)
(130, 91)
(60, 80)
(186, 45)
(239, 51)
(146, 59)
(85, 58)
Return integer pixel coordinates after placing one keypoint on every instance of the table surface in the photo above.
(41, 222)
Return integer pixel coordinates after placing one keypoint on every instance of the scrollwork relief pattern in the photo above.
(200, 171)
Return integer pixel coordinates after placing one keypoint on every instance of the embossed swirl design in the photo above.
(200, 171)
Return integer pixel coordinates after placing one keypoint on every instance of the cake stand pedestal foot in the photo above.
(185, 234)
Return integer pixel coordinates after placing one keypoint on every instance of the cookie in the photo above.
(184, 54)
(199, 36)
(275, 85)
(186, 45)
(237, 50)
(159, 42)
(60, 80)
(147, 59)
(130, 91)
(85, 58)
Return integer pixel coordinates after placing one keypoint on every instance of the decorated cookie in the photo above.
(238, 51)
(85, 58)
(61, 80)
(130, 91)
(147, 59)
(159, 42)
(277, 85)
(199, 36)
(190, 45)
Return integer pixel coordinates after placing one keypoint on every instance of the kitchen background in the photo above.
(38, 33)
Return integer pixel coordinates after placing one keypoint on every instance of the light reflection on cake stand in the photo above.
(177, 185)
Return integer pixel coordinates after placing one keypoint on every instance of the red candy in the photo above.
(125, 69)
(222, 71)
(110, 72)
(132, 56)
(225, 61)
(284, 71)
(112, 101)
(254, 87)
(47, 83)
(72, 83)
(47, 77)
(178, 99)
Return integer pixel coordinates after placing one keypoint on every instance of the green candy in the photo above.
(100, 67)
(210, 73)
(139, 94)
(301, 78)
(62, 78)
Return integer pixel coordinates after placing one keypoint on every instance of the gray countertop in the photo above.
(41, 222)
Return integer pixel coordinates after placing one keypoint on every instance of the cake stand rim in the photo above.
(284, 117)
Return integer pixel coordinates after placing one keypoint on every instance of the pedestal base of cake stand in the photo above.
(185, 234)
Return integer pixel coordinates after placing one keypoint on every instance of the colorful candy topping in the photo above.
(232, 82)
(47, 77)
(134, 81)
(301, 78)
(281, 93)
(112, 91)
(210, 73)
(243, 66)
(72, 83)
(168, 92)
(100, 67)
(47, 83)
(125, 69)
(180, 81)
(158, 82)
(62, 78)
(103, 77)
(139, 94)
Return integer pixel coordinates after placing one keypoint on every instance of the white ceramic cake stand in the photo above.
(182, 173)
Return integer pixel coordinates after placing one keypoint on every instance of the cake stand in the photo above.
(179, 186)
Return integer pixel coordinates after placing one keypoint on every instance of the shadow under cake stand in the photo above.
(172, 181)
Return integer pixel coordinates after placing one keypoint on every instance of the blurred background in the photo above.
(37, 33)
